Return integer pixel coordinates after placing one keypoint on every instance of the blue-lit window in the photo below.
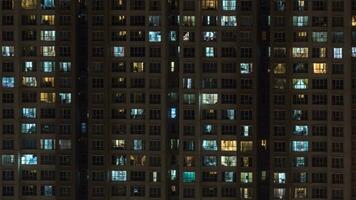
(210, 145)
(119, 176)
(65, 66)
(172, 36)
(209, 128)
(137, 113)
(188, 177)
(210, 52)
(300, 130)
(47, 190)
(230, 114)
(29, 113)
(48, 144)
(245, 68)
(300, 84)
(173, 113)
(138, 145)
(47, 4)
(300, 162)
(48, 66)
(210, 161)
(300, 146)
(7, 51)
(229, 177)
(209, 36)
(228, 21)
(28, 159)
(229, 4)
(28, 128)
(8, 82)
(65, 98)
(29, 66)
(338, 53)
(119, 51)
(154, 36)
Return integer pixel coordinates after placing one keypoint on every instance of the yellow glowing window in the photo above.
(138, 67)
(353, 20)
(209, 4)
(319, 68)
(47, 82)
(279, 68)
(47, 19)
(48, 97)
(245, 146)
(29, 81)
(29, 4)
(302, 34)
(228, 145)
(300, 52)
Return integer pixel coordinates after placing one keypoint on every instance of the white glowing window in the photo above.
(48, 144)
(209, 36)
(118, 51)
(7, 51)
(245, 68)
(28, 128)
(300, 146)
(119, 176)
(279, 178)
(29, 113)
(300, 21)
(48, 51)
(337, 53)
(228, 21)
(8, 82)
(154, 36)
(65, 98)
(28, 159)
(48, 66)
(246, 177)
(300, 52)
(210, 51)
(29, 81)
(300, 84)
(300, 130)
(228, 161)
(210, 98)
(210, 145)
(48, 35)
(229, 5)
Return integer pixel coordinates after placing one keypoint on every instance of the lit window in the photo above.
(209, 4)
(210, 98)
(245, 68)
(48, 20)
(137, 113)
(137, 145)
(320, 36)
(209, 160)
(300, 84)
(353, 21)
(279, 178)
(188, 177)
(210, 145)
(319, 68)
(172, 36)
(228, 21)
(48, 144)
(338, 53)
(279, 68)
(28, 128)
(47, 97)
(47, 4)
(48, 190)
(7, 51)
(65, 98)
(246, 146)
(29, 112)
(229, 177)
(154, 36)
(229, 4)
(209, 51)
(29, 4)
(279, 193)
(300, 146)
(8, 82)
(246, 130)
(48, 51)
(229, 161)
(188, 21)
(173, 113)
(300, 20)
(65, 66)
(119, 176)
(138, 67)
(187, 83)
(300, 52)
(300, 193)
(65, 144)
(280, 5)
(300, 161)
(229, 114)
(118, 144)
(118, 51)
(209, 36)
(300, 130)
(29, 81)
(7, 159)
(28, 159)
(209, 128)
(48, 66)
(48, 35)
(228, 145)
(246, 177)
(29, 66)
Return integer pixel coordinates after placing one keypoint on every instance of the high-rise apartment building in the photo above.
(178, 99)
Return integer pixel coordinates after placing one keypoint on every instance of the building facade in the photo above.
(178, 99)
